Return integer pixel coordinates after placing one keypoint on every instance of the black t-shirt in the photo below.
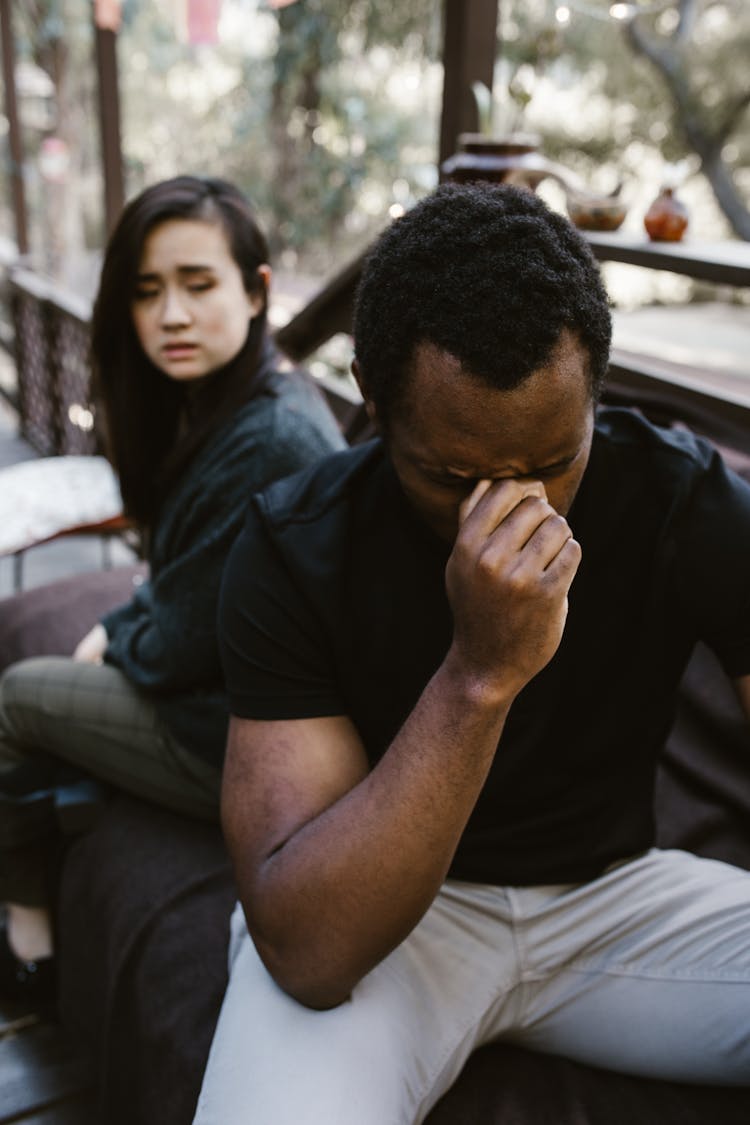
(334, 603)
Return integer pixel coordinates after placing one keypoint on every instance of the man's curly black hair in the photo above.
(487, 273)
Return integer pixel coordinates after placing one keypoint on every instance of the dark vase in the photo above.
(666, 218)
(514, 159)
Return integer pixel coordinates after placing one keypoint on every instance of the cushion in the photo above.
(143, 925)
(50, 496)
(51, 620)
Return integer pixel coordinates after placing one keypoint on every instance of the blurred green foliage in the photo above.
(671, 84)
(327, 111)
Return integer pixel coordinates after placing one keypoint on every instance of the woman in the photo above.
(198, 415)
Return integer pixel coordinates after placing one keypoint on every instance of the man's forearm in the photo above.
(365, 853)
(335, 897)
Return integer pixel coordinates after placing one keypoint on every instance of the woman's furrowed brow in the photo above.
(190, 269)
(187, 270)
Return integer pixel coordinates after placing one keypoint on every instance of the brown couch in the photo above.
(145, 899)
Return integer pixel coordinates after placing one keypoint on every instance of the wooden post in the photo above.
(469, 38)
(14, 128)
(105, 36)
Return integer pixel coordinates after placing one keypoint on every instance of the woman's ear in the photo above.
(259, 300)
(372, 413)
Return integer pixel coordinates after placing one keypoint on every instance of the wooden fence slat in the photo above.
(38, 1069)
(79, 1110)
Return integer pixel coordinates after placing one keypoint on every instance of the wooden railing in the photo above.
(8, 258)
(724, 263)
(50, 347)
(714, 412)
(51, 341)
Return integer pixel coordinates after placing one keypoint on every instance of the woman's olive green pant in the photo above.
(61, 720)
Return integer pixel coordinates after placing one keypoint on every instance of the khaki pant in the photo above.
(645, 970)
(90, 717)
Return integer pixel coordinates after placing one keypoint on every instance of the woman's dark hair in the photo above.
(487, 273)
(142, 406)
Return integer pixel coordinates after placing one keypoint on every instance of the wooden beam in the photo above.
(664, 396)
(723, 263)
(14, 129)
(469, 47)
(109, 122)
(329, 312)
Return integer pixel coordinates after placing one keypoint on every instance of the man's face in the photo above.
(450, 430)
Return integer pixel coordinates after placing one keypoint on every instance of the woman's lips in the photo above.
(179, 351)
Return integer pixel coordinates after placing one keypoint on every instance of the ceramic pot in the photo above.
(666, 219)
(514, 159)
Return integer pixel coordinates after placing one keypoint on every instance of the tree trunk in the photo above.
(706, 144)
(294, 88)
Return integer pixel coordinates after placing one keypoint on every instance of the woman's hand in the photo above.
(91, 649)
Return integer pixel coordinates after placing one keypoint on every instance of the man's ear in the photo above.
(372, 413)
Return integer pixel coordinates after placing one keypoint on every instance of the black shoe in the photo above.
(30, 983)
(35, 803)
(78, 805)
(26, 818)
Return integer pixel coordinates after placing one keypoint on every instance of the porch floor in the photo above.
(43, 1080)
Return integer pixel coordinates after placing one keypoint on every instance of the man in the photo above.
(452, 657)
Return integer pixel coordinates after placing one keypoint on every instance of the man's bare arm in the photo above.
(336, 864)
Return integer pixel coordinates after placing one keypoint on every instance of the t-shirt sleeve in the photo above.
(277, 659)
(712, 558)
